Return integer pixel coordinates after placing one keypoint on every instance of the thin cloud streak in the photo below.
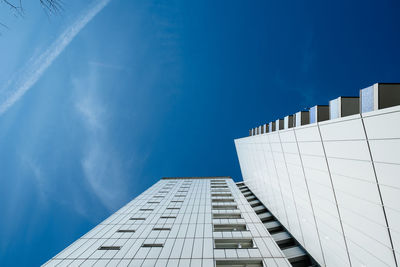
(102, 165)
(35, 68)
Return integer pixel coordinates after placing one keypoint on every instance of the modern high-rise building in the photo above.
(193, 221)
(320, 188)
(331, 176)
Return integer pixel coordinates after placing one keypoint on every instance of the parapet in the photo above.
(374, 97)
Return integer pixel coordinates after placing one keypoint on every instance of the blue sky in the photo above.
(148, 89)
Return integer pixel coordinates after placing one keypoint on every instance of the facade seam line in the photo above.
(334, 194)
(379, 189)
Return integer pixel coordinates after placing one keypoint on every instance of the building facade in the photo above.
(197, 221)
(330, 175)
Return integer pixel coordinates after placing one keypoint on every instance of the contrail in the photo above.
(35, 67)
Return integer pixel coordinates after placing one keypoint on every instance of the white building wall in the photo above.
(190, 238)
(335, 185)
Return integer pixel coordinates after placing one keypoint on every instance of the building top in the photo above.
(375, 97)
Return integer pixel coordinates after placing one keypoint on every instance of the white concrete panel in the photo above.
(307, 133)
(385, 150)
(343, 129)
(287, 136)
(369, 210)
(393, 217)
(289, 147)
(314, 162)
(388, 174)
(362, 170)
(383, 126)
(347, 149)
(311, 239)
(374, 250)
(354, 223)
(311, 148)
(365, 190)
(361, 257)
(273, 137)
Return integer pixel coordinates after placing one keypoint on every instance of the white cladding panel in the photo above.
(337, 182)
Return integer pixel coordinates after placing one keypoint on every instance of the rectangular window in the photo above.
(173, 208)
(239, 263)
(153, 202)
(177, 201)
(109, 248)
(125, 231)
(224, 207)
(152, 245)
(180, 195)
(168, 217)
(227, 216)
(161, 229)
(229, 227)
(158, 196)
(146, 209)
(229, 243)
(137, 219)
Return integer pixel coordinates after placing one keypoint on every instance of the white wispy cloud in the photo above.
(35, 67)
(102, 165)
(37, 174)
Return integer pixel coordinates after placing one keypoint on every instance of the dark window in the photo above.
(125, 231)
(146, 209)
(233, 243)
(239, 263)
(221, 195)
(109, 248)
(224, 207)
(229, 227)
(227, 216)
(152, 245)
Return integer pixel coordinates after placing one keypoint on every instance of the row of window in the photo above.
(227, 203)
(217, 227)
(223, 243)
(214, 216)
